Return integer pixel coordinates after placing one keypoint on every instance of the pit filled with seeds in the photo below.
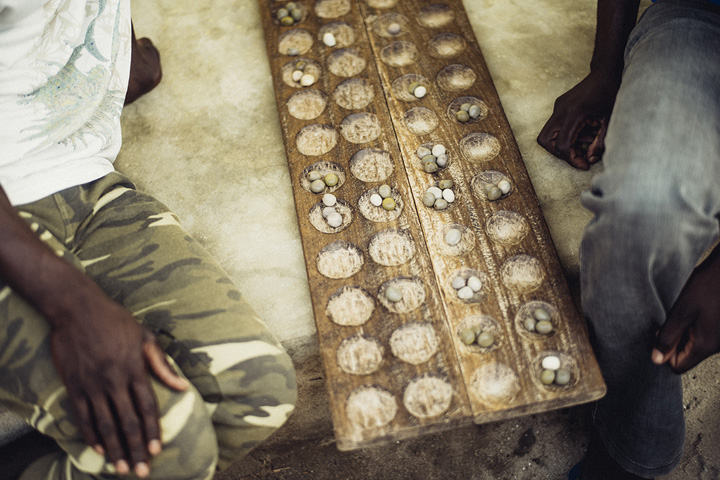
(410, 87)
(337, 34)
(330, 215)
(431, 157)
(401, 294)
(537, 320)
(381, 204)
(440, 195)
(469, 285)
(555, 370)
(467, 110)
(290, 14)
(479, 333)
(322, 177)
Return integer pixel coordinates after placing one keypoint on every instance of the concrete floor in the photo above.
(208, 143)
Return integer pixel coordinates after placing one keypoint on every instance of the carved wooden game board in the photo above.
(398, 368)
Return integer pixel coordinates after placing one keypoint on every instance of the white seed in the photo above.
(551, 362)
(329, 200)
(423, 152)
(376, 199)
(297, 75)
(442, 160)
(334, 219)
(453, 236)
(327, 211)
(438, 149)
(504, 186)
(458, 283)
(474, 111)
(306, 80)
(420, 92)
(474, 283)
(393, 294)
(329, 39)
(317, 186)
(448, 195)
(435, 191)
(465, 293)
(393, 29)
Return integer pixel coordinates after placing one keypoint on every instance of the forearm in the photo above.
(615, 21)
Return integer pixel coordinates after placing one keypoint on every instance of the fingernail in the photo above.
(122, 467)
(142, 470)
(154, 447)
(99, 449)
(657, 357)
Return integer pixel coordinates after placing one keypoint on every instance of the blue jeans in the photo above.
(656, 208)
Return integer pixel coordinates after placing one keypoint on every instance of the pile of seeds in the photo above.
(299, 75)
(466, 288)
(382, 198)
(467, 112)
(329, 212)
(540, 322)
(418, 90)
(289, 15)
(318, 181)
(441, 196)
(484, 338)
(497, 190)
(433, 158)
(552, 373)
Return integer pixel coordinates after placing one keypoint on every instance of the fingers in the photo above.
(160, 366)
(108, 432)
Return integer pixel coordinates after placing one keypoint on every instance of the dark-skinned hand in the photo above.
(105, 357)
(691, 332)
(576, 129)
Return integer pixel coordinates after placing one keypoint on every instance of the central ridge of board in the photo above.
(437, 292)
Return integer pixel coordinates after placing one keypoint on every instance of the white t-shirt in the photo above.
(64, 68)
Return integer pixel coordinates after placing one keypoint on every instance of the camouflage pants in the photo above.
(134, 248)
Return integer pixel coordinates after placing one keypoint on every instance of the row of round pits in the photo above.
(414, 343)
(297, 41)
(522, 273)
(480, 333)
(330, 216)
(390, 25)
(536, 319)
(468, 285)
(391, 248)
(399, 54)
(377, 208)
(339, 260)
(346, 62)
(294, 71)
(435, 16)
(360, 355)
(456, 78)
(307, 104)
(556, 369)
(506, 227)
(354, 94)
(421, 120)
(315, 140)
(446, 45)
(332, 8)
(290, 14)
(405, 294)
(479, 147)
(467, 109)
(360, 127)
(440, 195)
(337, 34)
(410, 87)
(350, 306)
(456, 240)
(494, 384)
(371, 165)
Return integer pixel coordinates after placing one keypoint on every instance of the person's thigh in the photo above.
(136, 250)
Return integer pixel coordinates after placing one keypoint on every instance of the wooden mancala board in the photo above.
(346, 74)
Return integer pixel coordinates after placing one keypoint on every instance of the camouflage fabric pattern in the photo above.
(134, 248)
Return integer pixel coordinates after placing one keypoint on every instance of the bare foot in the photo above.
(145, 69)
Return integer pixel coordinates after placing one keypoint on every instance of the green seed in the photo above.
(443, 184)
(317, 186)
(412, 87)
(541, 314)
(300, 65)
(388, 203)
(530, 324)
(331, 179)
(562, 376)
(384, 190)
(282, 13)
(431, 167)
(474, 111)
(429, 158)
(428, 199)
(467, 336)
(547, 377)
(462, 116)
(485, 339)
(296, 14)
(440, 204)
(544, 327)
(465, 107)
(494, 194)
(287, 21)
(291, 6)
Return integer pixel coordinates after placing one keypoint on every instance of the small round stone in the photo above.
(287, 21)
(393, 294)
(467, 336)
(317, 186)
(543, 327)
(462, 116)
(494, 194)
(327, 211)
(474, 111)
(384, 190)
(485, 339)
(440, 204)
(438, 149)
(388, 203)
(453, 236)
(376, 199)
(423, 151)
(551, 362)
(443, 184)
(547, 377)
(448, 195)
(562, 376)
(331, 179)
(412, 87)
(465, 293)
(458, 283)
(420, 92)
(314, 175)
(430, 167)
(393, 28)
(429, 158)
(296, 14)
(465, 107)
(541, 314)
(488, 187)
(329, 200)
(504, 186)
(334, 220)
(428, 199)
(282, 13)
(291, 6)
(529, 324)
(442, 160)
(306, 80)
(329, 39)
(297, 75)
(300, 65)
(435, 191)
(474, 283)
